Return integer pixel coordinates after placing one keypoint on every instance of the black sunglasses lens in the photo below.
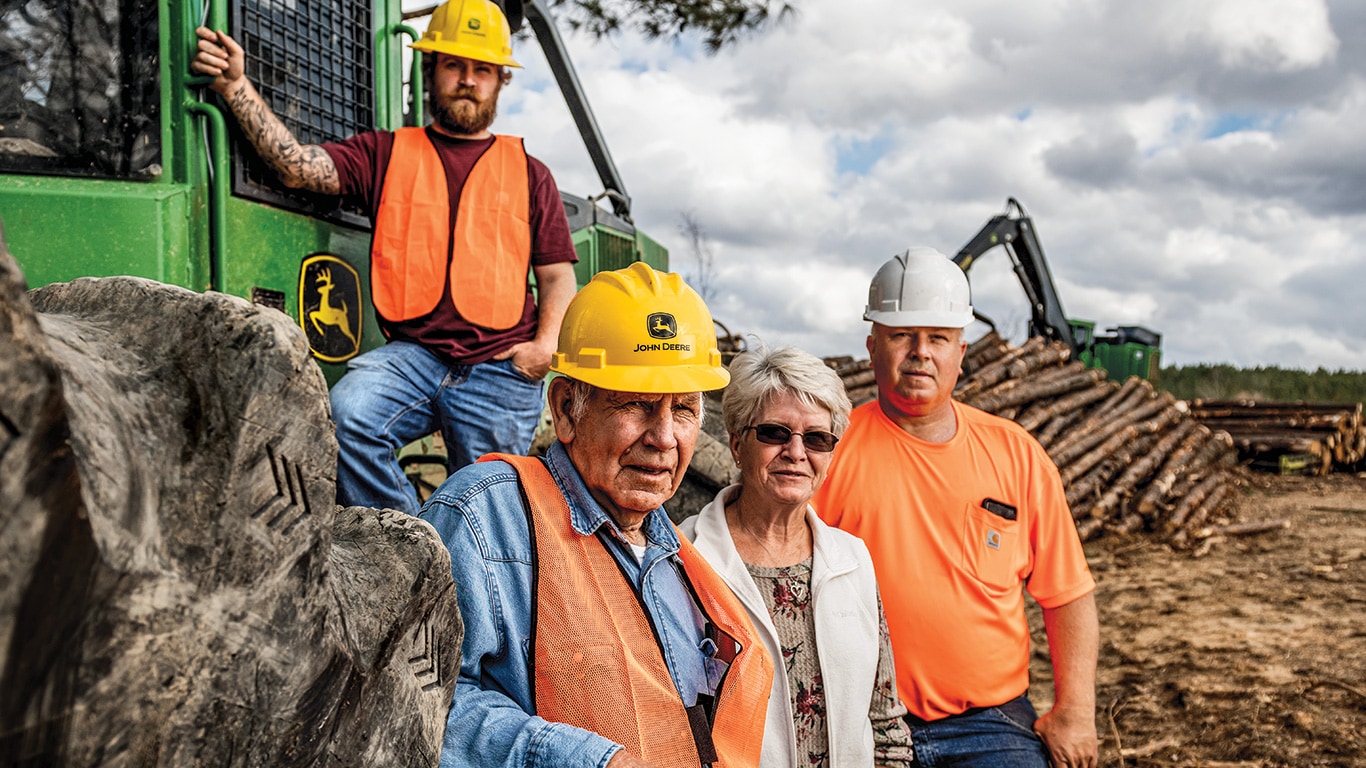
(774, 434)
(820, 442)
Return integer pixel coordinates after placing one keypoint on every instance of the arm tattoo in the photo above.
(307, 166)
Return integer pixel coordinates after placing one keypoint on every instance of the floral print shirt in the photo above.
(787, 594)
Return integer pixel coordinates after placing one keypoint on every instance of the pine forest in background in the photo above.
(1225, 382)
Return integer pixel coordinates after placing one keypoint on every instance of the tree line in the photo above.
(1226, 382)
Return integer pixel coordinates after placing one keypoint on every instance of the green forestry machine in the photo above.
(116, 160)
(1123, 351)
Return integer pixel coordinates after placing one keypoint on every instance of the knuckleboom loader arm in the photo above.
(558, 58)
(1015, 231)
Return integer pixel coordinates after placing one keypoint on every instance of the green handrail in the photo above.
(415, 76)
(216, 17)
(218, 190)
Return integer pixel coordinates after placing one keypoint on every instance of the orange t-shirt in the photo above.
(950, 570)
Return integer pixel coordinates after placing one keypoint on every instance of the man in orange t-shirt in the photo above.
(959, 510)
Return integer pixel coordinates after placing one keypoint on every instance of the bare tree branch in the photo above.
(699, 247)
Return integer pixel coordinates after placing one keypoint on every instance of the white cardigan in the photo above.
(844, 597)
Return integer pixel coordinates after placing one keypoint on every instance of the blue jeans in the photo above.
(397, 393)
(990, 737)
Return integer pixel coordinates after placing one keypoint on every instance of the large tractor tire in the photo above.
(177, 586)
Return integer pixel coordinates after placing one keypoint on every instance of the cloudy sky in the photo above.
(1194, 166)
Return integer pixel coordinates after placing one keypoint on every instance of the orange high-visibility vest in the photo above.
(597, 663)
(415, 254)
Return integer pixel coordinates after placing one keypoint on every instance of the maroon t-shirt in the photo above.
(362, 161)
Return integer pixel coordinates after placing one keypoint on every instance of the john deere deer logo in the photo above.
(330, 308)
(326, 314)
(662, 325)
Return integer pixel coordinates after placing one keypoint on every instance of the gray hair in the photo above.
(758, 375)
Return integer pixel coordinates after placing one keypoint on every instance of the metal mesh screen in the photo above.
(313, 62)
(614, 251)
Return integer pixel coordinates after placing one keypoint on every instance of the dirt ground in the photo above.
(1252, 654)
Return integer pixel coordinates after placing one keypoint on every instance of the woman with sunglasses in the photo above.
(809, 588)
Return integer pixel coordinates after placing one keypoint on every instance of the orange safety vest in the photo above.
(415, 253)
(597, 663)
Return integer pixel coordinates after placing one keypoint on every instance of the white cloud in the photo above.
(1197, 168)
(1273, 35)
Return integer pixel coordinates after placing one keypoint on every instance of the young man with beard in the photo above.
(459, 216)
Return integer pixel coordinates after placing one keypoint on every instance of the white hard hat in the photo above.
(920, 288)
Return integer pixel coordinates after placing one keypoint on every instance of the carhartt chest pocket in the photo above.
(991, 548)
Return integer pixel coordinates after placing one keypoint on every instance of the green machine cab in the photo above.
(1123, 351)
(115, 160)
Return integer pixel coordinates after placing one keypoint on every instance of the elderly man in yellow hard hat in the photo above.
(594, 635)
(459, 215)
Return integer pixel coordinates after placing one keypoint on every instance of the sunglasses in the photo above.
(776, 434)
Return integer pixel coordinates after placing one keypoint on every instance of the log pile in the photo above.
(1131, 459)
(1316, 438)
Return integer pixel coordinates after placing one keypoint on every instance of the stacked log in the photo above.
(1279, 436)
(1132, 459)
(858, 378)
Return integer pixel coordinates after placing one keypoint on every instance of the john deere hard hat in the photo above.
(470, 29)
(921, 288)
(640, 330)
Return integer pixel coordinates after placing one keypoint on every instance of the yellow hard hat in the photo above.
(470, 29)
(639, 330)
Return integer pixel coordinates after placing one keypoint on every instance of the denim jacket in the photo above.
(480, 516)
